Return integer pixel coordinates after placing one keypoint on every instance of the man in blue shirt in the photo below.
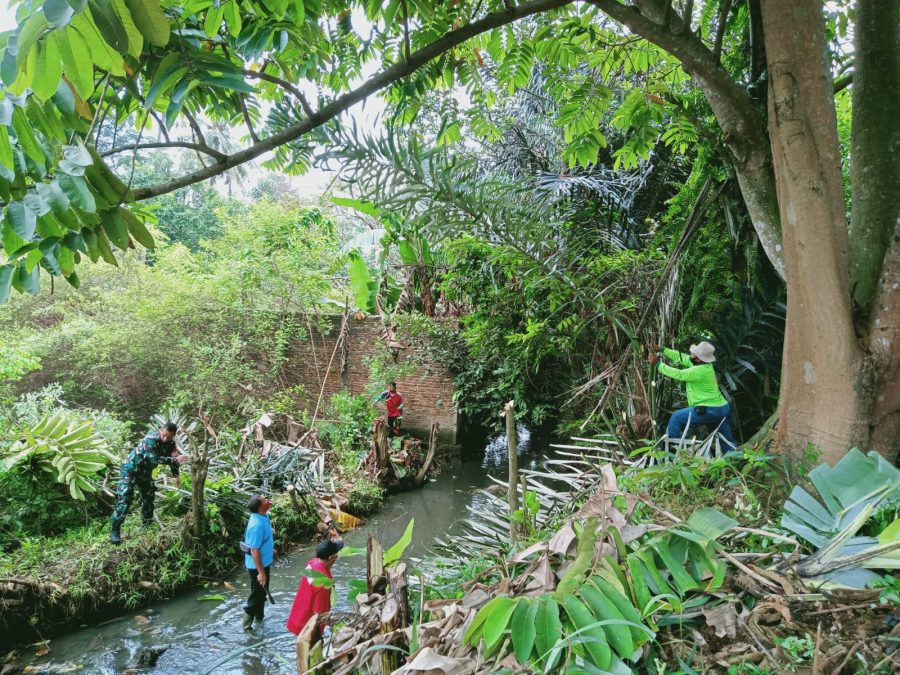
(258, 539)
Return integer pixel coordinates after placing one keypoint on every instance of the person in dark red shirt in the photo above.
(314, 599)
(394, 403)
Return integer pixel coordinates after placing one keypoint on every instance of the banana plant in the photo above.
(851, 492)
(414, 251)
(69, 448)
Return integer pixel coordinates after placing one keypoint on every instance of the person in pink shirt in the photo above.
(314, 599)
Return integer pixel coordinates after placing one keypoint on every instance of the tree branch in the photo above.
(742, 124)
(195, 127)
(331, 110)
(843, 82)
(287, 86)
(199, 147)
(724, 10)
(247, 120)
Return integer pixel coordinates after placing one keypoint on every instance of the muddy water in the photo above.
(198, 635)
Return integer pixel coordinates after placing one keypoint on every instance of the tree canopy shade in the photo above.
(73, 66)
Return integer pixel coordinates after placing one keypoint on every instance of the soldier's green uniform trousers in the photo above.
(129, 479)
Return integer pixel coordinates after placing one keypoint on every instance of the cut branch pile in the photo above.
(606, 592)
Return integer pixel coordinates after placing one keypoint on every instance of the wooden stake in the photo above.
(512, 491)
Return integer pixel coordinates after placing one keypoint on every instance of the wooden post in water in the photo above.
(512, 491)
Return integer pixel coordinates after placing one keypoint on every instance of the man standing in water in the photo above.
(259, 550)
(314, 598)
(158, 447)
(394, 404)
(706, 405)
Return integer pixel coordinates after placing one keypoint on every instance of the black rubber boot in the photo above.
(248, 621)
(115, 537)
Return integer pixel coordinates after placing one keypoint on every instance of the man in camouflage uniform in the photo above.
(157, 447)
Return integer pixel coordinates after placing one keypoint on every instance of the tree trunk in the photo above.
(837, 390)
(875, 143)
(875, 224)
(821, 402)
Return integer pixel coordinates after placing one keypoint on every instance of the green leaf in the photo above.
(351, 551)
(523, 629)
(26, 138)
(27, 281)
(169, 71)
(33, 28)
(58, 12)
(6, 276)
(6, 151)
(49, 70)
(354, 586)
(233, 17)
(151, 21)
(597, 646)
(497, 621)
(22, 219)
(211, 598)
(135, 38)
(66, 260)
(361, 282)
(32, 259)
(176, 100)
(141, 234)
(77, 154)
(317, 578)
(76, 61)
(78, 192)
(108, 24)
(53, 195)
(473, 632)
(548, 627)
(395, 552)
(711, 522)
(101, 53)
(115, 229)
(213, 20)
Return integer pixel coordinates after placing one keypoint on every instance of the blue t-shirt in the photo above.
(259, 535)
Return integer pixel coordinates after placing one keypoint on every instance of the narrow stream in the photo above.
(197, 634)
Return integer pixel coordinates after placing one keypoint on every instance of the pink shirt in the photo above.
(309, 599)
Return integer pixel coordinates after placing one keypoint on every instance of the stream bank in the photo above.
(195, 633)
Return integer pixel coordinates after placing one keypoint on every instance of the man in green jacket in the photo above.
(706, 405)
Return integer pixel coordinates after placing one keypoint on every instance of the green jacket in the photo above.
(700, 381)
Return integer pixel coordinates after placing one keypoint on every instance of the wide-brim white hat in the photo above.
(704, 351)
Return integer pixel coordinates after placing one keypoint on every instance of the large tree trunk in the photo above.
(821, 401)
(875, 224)
(838, 389)
(875, 143)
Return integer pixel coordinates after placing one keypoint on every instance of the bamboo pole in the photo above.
(512, 490)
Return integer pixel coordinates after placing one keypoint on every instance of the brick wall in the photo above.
(428, 392)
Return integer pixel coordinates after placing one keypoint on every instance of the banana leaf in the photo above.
(851, 492)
